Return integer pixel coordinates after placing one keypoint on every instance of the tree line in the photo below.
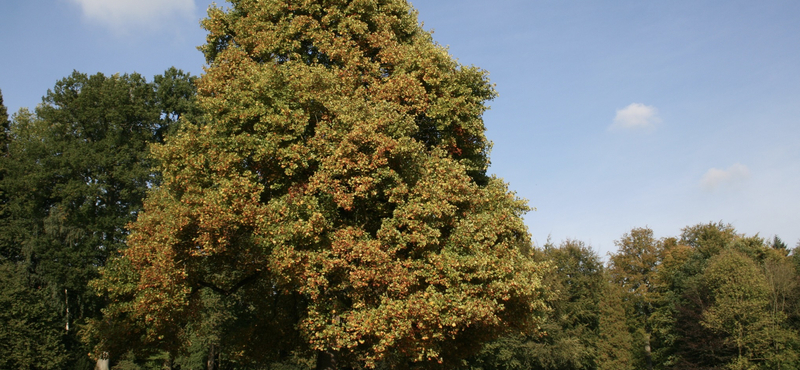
(318, 198)
(710, 298)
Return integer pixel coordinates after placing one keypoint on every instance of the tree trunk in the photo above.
(325, 361)
(647, 354)
(213, 357)
(102, 362)
(66, 304)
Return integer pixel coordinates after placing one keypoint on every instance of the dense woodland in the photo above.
(318, 199)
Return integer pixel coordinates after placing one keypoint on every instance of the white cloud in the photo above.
(636, 116)
(124, 15)
(716, 177)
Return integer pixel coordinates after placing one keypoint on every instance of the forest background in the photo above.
(748, 318)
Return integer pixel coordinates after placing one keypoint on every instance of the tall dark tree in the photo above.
(5, 137)
(4, 125)
(29, 335)
(615, 345)
(634, 268)
(585, 329)
(575, 321)
(75, 174)
(335, 197)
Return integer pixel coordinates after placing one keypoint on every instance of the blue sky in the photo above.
(611, 114)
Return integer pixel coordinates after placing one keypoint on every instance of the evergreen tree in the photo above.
(634, 268)
(5, 137)
(4, 126)
(580, 280)
(335, 199)
(74, 175)
(614, 348)
(29, 337)
(585, 328)
(31, 333)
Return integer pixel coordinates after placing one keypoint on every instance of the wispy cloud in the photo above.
(126, 15)
(716, 177)
(636, 116)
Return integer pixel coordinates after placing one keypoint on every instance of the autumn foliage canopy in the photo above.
(333, 199)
